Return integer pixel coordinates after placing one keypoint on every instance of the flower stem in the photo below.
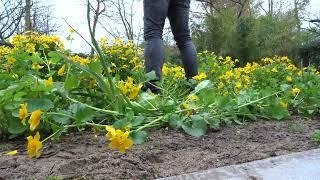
(252, 102)
(148, 124)
(60, 114)
(94, 108)
(51, 136)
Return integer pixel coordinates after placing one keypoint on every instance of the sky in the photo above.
(74, 12)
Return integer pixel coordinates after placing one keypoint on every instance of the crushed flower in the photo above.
(118, 139)
(34, 146)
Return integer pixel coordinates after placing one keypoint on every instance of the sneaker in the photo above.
(152, 87)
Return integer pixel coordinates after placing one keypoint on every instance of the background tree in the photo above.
(98, 8)
(251, 29)
(11, 15)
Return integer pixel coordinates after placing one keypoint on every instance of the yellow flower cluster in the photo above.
(118, 139)
(174, 71)
(5, 51)
(200, 77)
(189, 104)
(277, 59)
(80, 60)
(125, 57)
(33, 42)
(129, 89)
(35, 117)
(236, 79)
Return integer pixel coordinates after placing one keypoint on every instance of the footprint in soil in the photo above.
(72, 167)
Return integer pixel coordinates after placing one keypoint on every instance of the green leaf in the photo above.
(207, 96)
(138, 137)
(150, 76)
(96, 67)
(175, 121)
(198, 127)
(84, 114)
(72, 82)
(54, 57)
(62, 119)
(43, 104)
(121, 124)
(16, 127)
(137, 121)
(276, 112)
(286, 87)
(36, 59)
(202, 85)
(12, 106)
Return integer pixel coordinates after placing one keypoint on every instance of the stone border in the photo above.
(297, 166)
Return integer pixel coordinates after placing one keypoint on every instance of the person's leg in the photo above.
(155, 13)
(178, 15)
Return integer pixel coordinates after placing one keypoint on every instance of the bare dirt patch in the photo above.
(166, 152)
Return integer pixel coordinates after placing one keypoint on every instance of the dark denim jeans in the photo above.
(155, 13)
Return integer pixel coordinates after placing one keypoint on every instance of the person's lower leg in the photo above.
(189, 58)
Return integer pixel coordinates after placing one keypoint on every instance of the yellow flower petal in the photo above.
(61, 71)
(23, 113)
(34, 120)
(119, 139)
(12, 153)
(48, 82)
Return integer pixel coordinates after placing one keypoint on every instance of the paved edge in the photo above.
(247, 170)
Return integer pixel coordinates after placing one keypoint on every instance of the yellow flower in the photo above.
(284, 105)
(118, 139)
(193, 97)
(238, 85)
(36, 66)
(200, 77)
(23, 113)
(300, 73)
(185, 105)
(30, 48)
(71, 31)
(123, 87)
(34, 146)
(289, 78)
(48, 82)
(12, 153)
(275, 70)
(34, 120)
(134, 92)
(295, 91)
(11, 60)
(62, 70)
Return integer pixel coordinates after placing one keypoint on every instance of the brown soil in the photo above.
(166, 153)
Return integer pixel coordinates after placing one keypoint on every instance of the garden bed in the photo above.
(166, 152)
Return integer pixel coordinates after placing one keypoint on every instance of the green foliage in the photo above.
(251, 36)
(316, 137)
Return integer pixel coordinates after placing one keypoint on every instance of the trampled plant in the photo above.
(45, 92)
